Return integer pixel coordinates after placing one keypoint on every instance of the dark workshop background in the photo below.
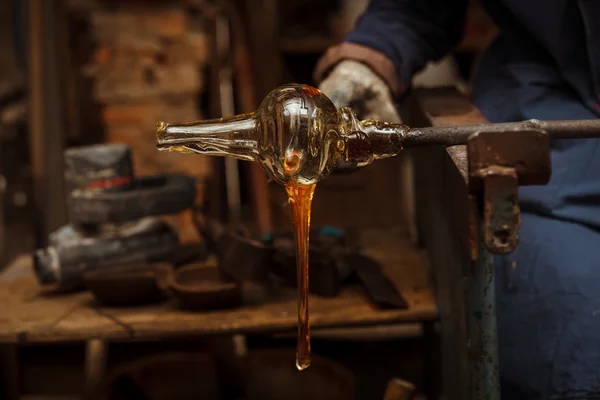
(79, 72)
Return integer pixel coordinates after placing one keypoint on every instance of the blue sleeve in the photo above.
(410, 32)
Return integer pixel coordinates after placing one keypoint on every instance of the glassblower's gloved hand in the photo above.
(353, 84)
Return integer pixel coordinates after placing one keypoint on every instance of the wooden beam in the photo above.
(441, 178)
(46, 118)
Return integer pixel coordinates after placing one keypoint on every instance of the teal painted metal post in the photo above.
(482, 328)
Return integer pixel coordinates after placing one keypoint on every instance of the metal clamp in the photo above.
(500, 162)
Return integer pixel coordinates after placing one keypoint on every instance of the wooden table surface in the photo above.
(28, 315)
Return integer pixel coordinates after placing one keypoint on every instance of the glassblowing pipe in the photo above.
(299, 136)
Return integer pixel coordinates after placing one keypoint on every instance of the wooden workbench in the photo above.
(29, 315)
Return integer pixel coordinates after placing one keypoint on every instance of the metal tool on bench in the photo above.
(112, 216)
(260, 261)
(334, 262)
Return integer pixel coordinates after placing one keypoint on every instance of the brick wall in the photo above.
(147, 65)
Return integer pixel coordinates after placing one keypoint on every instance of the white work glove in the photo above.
(353, 84)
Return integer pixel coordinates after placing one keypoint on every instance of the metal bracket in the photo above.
(500, 162)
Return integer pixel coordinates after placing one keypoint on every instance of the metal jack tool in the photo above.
(112, 216)
(298, 123)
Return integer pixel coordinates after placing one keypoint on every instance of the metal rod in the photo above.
(455, 135)
(482, 327)
(232, 176)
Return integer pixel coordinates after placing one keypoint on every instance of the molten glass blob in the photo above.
(298, 136)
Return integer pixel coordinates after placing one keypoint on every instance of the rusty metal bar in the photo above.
(482, 328)
(455, 135)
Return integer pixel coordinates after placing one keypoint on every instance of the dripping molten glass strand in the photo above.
(298, 136)
(300, 200)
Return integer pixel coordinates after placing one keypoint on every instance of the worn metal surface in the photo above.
(482, 328)
(499, 162)
(501, 214)
(459, 134)
(527, 151)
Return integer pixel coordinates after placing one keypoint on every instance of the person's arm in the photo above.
(396, 38)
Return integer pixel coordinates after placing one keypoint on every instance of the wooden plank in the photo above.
(31, 316)
(445, 107)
